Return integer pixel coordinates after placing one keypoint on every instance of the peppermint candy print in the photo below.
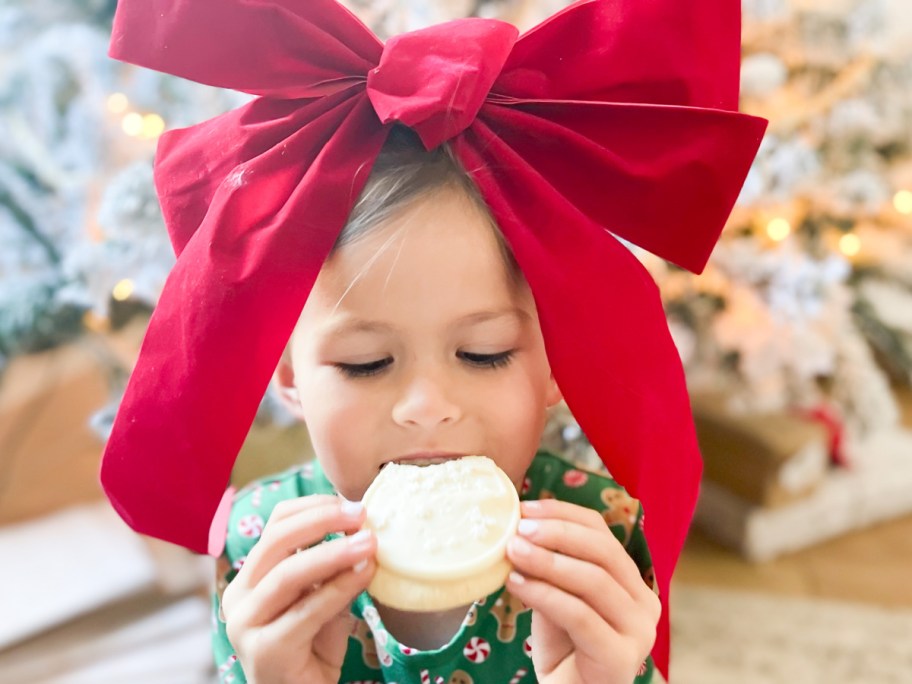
(575, 478)
(477, 650)
(526, 486)
(527, 646)
(239, 563)
(406, 650)
(250, 526)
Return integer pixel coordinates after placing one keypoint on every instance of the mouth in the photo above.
(423, 459)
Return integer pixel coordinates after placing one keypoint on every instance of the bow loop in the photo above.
(435, 80)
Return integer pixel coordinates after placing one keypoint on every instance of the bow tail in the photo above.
(619, 371)
(226, 312)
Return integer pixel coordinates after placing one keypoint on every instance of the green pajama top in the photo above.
(492, 645)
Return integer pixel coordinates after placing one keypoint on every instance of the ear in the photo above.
(554, 394)
(283, 379)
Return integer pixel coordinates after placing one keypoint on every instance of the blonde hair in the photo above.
(405, 172)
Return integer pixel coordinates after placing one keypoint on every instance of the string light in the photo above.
(117, 103)
(778, 229)
(152, 126)
(123, 290)
(132, 124)
(902, 200)
(850, 244)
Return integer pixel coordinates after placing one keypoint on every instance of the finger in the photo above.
(588, 632)
(563, 510)
(297, 575)
(298, 527)
(314, 622)
(289, 507)
(598, 546)
(586, 581)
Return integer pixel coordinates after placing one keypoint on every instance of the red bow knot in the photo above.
(473, 52)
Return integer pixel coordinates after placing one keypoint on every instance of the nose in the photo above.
(426, 402)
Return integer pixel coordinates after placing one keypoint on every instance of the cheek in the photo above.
(516, 421)
(338, 420)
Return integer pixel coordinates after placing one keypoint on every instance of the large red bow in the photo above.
(614, 117)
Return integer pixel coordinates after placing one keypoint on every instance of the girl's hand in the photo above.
(594, 618)
(287, 611)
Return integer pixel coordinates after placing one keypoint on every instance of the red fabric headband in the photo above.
(613, 115)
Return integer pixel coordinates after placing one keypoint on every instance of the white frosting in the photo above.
(442, 521)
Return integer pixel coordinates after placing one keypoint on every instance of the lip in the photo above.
(425, 455)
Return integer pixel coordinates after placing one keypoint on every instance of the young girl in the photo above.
(416, 333)
(421, 338)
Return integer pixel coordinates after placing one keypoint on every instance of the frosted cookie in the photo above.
(442, 532)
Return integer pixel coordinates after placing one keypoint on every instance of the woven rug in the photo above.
(730, 637)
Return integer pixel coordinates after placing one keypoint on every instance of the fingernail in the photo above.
(520, 546)
(360, 540)
(532, 505)
(527, 527)
(360, 565)
(352, 508)
(516, 578)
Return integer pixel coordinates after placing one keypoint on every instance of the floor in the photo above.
(869, 566)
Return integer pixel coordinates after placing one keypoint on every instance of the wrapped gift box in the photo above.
(766, 459)
(878, 487)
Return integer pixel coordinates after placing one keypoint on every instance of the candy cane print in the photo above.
(224, 667)
(518, 677)
(425, 677)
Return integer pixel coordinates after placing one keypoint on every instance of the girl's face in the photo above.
(414, 340)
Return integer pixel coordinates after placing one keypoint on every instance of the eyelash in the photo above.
(486, 361)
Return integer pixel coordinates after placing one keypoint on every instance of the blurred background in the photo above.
(797, 342)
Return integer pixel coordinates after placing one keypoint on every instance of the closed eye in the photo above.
(487, 361)
(361, 370)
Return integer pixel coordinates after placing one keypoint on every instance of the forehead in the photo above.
(434, 263)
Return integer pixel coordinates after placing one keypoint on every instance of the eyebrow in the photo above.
(353, 325)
